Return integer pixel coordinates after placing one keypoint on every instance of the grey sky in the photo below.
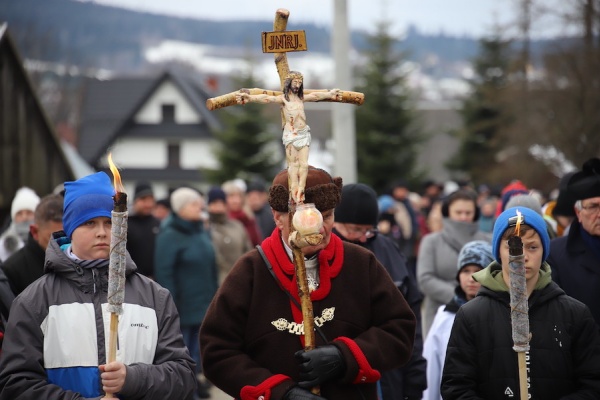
(457, 17)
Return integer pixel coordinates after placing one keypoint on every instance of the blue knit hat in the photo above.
(216, 193)
(478, 252)
(385, 202)
(85, 199)
(530, 218)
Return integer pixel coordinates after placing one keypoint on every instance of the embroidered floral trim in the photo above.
(298, 329)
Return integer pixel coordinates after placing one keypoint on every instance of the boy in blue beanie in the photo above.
(564, 350)
(55, 342)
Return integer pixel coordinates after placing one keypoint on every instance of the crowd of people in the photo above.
(410, 292)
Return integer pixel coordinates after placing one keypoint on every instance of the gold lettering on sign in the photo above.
(282, 42)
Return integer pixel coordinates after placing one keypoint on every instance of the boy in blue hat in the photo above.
(55, 343)
(564, 350)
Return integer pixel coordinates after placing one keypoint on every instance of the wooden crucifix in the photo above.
(296, 139)
(296, 133)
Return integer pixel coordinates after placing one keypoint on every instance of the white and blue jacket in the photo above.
(57, 336)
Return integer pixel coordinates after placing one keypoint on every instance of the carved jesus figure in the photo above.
(296, 133)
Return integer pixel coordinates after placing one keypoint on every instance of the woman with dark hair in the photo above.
(438, 252)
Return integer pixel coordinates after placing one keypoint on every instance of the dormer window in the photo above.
(168, 113)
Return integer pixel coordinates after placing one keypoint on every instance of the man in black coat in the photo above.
(27, 264)
(575, 258)
(142, 228)
(355, 220)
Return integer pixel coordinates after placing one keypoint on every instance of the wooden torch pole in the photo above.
(519, 310)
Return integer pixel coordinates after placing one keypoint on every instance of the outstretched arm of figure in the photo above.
(320, 95)
(243, 97)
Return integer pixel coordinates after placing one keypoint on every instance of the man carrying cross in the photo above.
(253, 340)
(296, 133)
(258, 337)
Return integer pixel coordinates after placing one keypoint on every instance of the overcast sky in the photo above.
(457, 17)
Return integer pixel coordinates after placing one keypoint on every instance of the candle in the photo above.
(307, 219)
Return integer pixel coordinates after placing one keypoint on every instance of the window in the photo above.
(173, 155)
(168, 112)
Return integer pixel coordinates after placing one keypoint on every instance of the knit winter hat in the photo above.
(183, 196)
(321, 189)
(565, 201)
(256, 186)
(358, 205)
(531, 218)
(525, 200)
(142, 189)
(216, 193)
(478, 252)
(585, 184)
(25, 199)
(85, 199)
(385, 202)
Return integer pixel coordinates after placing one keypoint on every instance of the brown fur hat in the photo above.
(321, 189)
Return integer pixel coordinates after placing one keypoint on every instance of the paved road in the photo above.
(216, 394)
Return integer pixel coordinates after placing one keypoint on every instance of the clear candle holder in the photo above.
(307, 219)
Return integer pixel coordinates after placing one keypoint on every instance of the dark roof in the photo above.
(110, 105)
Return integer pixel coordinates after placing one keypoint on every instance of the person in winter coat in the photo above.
(252, 337)
(575, 258)
(6, 299)
(355, 220)
(473, 257)
(239, 210)
(185, 264)
(142, 228)
(21, 215)
(438, 252)
(229, 237)
(27, 264)
(564, 347)
(55, 342)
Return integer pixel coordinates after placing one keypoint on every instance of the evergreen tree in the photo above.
(386, 135)
(483, 112)
(245, 147)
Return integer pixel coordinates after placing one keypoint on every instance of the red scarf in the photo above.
(330, 258)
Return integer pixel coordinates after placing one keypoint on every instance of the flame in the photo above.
(519, 220)
(116, 175)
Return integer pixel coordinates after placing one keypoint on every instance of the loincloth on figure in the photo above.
(299, 140)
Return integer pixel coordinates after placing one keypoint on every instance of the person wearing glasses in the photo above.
(575, 258)
(355, 219)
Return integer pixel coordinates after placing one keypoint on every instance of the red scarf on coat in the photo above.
(330, 258)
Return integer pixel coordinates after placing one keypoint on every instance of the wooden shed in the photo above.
(30, 151)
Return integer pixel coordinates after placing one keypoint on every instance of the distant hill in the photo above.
(89, 34)
(92, 35)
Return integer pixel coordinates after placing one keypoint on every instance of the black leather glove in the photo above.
(320, 365)
(297, 393)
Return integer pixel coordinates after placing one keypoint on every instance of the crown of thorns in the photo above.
(294, 75)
